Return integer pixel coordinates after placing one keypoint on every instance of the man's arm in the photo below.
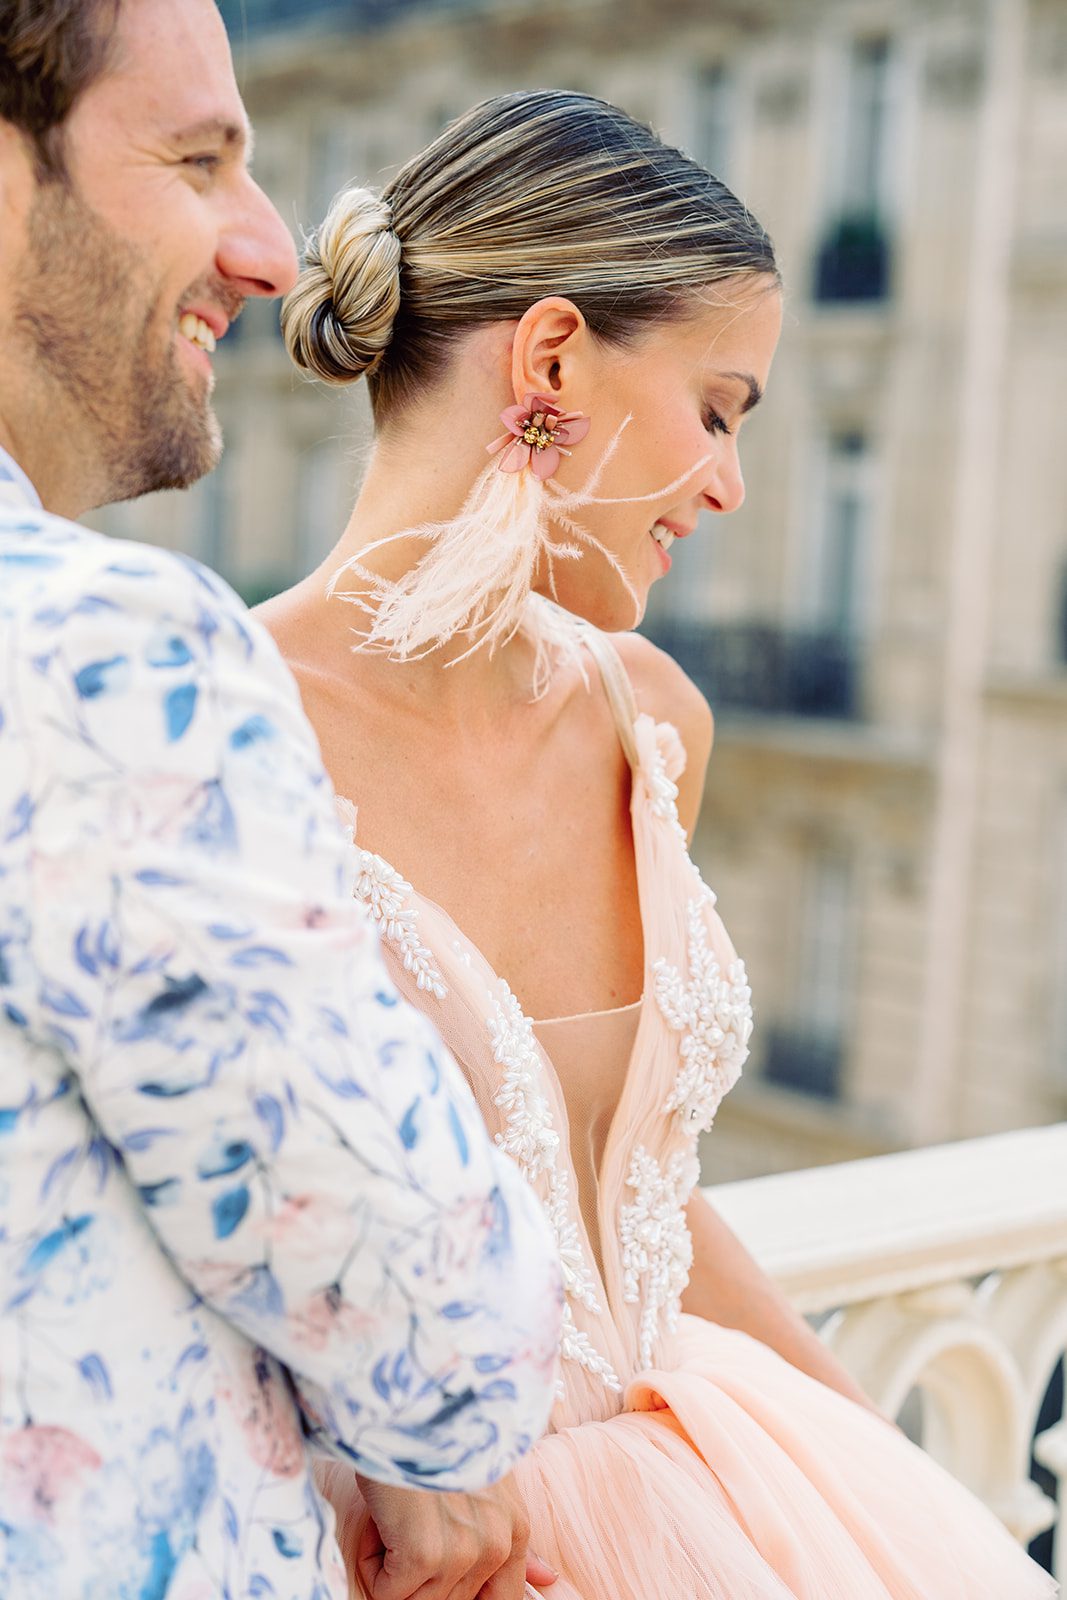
(307, 1153)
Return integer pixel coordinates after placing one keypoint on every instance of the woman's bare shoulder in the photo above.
(666, 692)
(669, 695)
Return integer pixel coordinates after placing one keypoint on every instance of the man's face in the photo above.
(129, 269)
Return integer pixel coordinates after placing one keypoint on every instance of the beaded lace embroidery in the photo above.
(389, 899)
(657, 1251)
(712, 1011)
(531, 1140)
(663, 795)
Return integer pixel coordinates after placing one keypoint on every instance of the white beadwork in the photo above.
(712, 1011)
(657, 1251)
(574, 1345)
(389, 899)
(663, 794)
(531, 1140)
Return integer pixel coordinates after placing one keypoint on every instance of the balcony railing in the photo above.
(766, 668)
(943, 1272)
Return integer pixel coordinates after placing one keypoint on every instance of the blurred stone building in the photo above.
(882, 630)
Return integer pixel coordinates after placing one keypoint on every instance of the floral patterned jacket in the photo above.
(248, 1208)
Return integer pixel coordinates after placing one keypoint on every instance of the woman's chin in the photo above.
(617, 613)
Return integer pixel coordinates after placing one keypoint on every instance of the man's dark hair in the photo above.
(50, 52)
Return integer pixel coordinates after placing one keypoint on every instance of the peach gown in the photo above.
(684, 1460)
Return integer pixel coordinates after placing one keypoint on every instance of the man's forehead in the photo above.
(171, 73)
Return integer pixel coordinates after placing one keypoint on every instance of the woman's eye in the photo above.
(714, 423)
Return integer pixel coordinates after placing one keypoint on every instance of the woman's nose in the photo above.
(725, 486)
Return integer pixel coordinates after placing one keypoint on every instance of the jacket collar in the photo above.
(15, 488)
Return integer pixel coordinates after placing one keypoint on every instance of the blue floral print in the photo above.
(248, 1209)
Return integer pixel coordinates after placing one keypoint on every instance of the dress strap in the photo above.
(617, 687)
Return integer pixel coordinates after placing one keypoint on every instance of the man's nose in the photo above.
(256, 252)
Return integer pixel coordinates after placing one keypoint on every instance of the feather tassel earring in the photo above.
(476, 578)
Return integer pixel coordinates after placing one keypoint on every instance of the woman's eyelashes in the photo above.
(714, 423)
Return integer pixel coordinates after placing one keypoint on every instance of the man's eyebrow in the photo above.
(216, 130)
(755, 393)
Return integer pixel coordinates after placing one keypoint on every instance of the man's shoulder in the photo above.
(52, 570)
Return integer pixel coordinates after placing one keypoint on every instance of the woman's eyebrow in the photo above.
(755, 393)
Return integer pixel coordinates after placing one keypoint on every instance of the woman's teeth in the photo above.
(196, 330)
(663, 536)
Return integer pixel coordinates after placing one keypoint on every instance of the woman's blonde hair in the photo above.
(526, 195)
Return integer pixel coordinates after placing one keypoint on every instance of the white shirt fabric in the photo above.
(248, 1208)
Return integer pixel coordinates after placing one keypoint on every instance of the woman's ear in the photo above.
(546, 354)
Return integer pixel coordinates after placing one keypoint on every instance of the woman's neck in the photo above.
(478, 686)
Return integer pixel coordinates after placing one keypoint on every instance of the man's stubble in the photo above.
(88, 318)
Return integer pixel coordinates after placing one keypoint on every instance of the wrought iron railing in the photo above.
(766, 668)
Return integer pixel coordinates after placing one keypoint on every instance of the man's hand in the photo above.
(445, 1546)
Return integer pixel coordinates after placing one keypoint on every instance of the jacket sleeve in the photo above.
(307, 1153)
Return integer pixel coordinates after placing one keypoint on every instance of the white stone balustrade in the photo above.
(945, 1270)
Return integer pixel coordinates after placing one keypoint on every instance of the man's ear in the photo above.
(17, 180)
(547, 351)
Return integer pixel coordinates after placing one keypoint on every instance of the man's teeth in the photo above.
(663, 536)
(196, 330)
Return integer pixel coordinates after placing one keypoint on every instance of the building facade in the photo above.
(882, 629)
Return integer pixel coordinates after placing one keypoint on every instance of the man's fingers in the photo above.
(509, 1581)
(419, 1546)
(459, 1574)
(369, 1555)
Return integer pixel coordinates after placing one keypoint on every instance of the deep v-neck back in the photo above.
(624, 1257)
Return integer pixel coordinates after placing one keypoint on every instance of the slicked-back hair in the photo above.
(527, 195)
(50, 53)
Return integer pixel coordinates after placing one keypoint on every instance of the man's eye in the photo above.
(205, 163)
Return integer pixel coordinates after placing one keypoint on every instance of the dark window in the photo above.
(805, 1049)
(715, 119)
(764, 668)
(258, 15)
(853, 262)
(853, 259)
(261, 16)
(796, 1059)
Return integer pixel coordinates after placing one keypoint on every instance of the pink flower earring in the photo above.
(538, 432)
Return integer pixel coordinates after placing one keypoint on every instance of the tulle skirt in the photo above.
(736, 1477)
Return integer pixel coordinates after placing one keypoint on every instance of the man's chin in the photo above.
(175, 460)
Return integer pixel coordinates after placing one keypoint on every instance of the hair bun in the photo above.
(338, 320)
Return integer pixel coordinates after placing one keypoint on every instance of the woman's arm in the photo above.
(728, 1287)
